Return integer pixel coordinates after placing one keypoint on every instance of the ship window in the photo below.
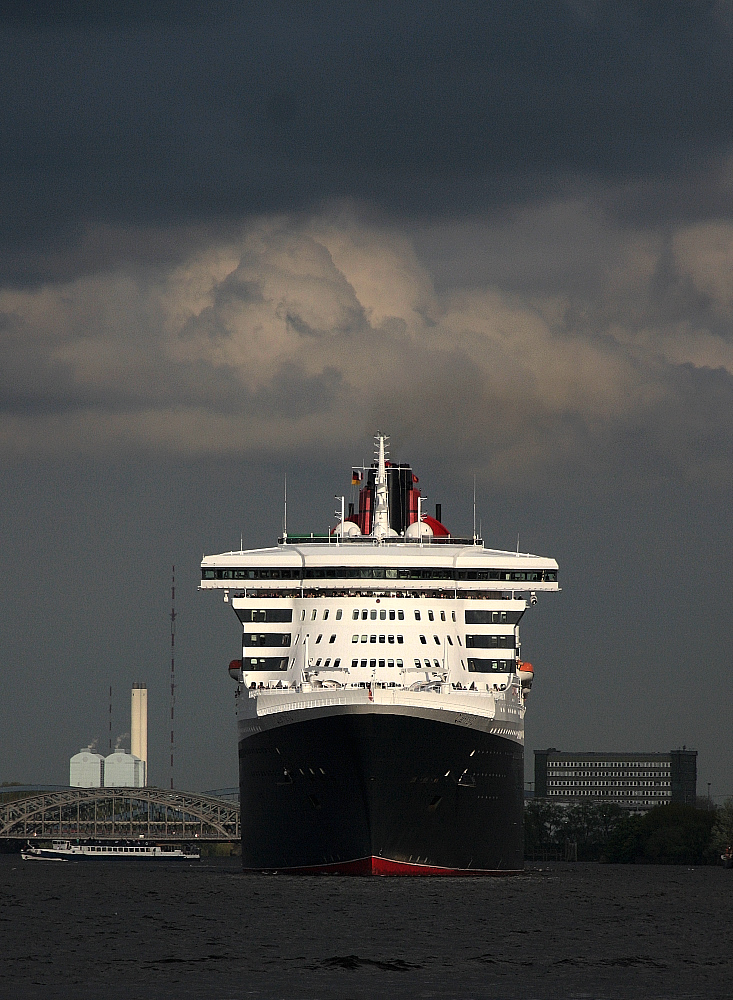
(208, 574)
(427, 664)
(382, 664)
(401, 615)
(363, 663)
(417, 616)
(333, 638)
(390, 663)
(372, 664)
(400, 639)
(318, 662)
(319, 638)
(382, 638)
(442, 616)
(337, 663)
(327, 662)
(355, 614)
(450, 641)
(373, 615)
(391, 616)
(302, 615)
(423, 640)
(365, 638)
(399, 664)
(325, 614)
(364, 615)
(390, 638)
(372, 638)
(338, 614)
(453, 615)
(482, 666)
(355, 638)
(313, 615)
(382, 615)
(417, 663)
(262, 615)
(264, 663)
(487, 617)
(354, 664)
(431, 616)
(437, 664)
(459, 640)
(266, 639)
(437, 640)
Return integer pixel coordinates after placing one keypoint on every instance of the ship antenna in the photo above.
(285, 513)
(173, 658)
(517, 543)
(110, 718)
(474, 508)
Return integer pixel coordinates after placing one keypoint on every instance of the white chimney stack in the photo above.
(139, 724)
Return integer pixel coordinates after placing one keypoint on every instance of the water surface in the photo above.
(207, 930)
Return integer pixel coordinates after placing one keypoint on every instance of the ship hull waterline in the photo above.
(381, 794)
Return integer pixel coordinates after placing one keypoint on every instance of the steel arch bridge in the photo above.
(120, 814)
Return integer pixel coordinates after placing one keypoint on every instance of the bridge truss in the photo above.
(120, 814)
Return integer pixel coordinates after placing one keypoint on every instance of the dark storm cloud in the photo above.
(131, 114)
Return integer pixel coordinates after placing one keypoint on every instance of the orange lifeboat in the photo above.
(235, 670)
(526, 676)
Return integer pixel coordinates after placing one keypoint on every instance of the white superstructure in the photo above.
(415, 620)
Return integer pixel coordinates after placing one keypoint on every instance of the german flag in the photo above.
(356, 476)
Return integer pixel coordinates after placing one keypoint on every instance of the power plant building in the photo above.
(121, 769)
(636, 781)
(124, 770)
(86, 769)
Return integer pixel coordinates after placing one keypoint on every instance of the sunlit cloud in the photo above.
(269, 342)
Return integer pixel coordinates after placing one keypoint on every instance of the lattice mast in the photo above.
(173, 662)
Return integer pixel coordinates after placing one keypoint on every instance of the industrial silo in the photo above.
(123, 769)
(86, 769)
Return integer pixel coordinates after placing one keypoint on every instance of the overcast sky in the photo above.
(235, 243)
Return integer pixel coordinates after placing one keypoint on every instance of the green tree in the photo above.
(723, 829)
(670, 834)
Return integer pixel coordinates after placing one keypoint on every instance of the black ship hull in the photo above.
(381, 793)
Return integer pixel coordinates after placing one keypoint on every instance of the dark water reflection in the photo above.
(209, 931)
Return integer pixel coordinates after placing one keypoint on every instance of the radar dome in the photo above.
(418, 529)
(347, 529)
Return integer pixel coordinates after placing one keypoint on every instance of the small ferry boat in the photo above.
(64, 850)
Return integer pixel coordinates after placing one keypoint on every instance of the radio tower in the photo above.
(173, 659)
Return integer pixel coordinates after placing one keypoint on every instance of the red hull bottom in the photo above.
(378, 866)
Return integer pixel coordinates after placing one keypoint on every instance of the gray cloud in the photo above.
(130, 117)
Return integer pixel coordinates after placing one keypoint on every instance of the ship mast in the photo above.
(381, 507)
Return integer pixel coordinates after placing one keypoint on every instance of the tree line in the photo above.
(668, 834)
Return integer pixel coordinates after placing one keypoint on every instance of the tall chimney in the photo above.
(139, 723)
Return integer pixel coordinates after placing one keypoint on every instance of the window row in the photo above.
(381, 573)
(372, 664)
(381, 638)
(365, 614)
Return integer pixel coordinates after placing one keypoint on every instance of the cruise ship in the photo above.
(381, 693)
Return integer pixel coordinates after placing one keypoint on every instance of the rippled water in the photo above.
(210, 931)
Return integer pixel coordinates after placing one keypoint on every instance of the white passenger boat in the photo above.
(64, 850)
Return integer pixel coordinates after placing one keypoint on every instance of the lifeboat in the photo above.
(525, 673)
(235, 670)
